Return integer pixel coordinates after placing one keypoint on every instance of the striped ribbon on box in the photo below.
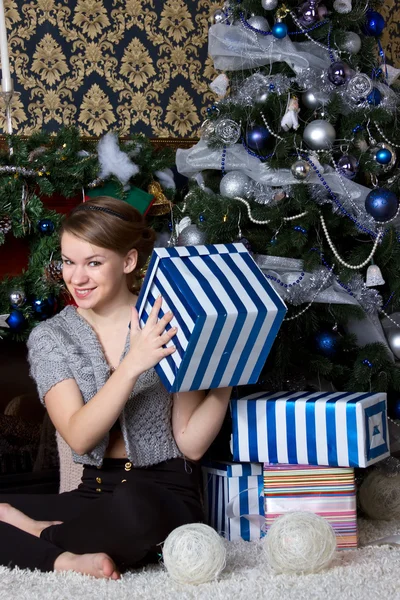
(322, 428)
(330, 493)
(226, 311)
(234, 500)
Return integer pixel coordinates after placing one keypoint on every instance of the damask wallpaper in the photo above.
(127, 65)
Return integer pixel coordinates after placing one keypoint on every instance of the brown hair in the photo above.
(121, 232)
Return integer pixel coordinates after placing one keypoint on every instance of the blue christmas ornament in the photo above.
(395, 409)
(374, 23)
(279, 30)
(257, 138)
(375, 97)
(43, 308)
(16, 320)
(326, 342)
(46, 226)
(381, 204)
(383, 156)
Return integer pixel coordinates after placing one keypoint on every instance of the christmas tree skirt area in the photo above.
(369, 572)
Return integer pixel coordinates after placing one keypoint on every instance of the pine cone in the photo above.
(5, 224)
(53, 271)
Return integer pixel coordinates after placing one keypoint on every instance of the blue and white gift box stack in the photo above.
(226, 311)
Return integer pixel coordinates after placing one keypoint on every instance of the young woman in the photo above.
(93, 366)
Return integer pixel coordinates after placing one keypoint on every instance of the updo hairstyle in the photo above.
(115, 225)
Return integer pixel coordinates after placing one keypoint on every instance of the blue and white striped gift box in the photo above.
(339, 429)
(226, 311)
(231, 490)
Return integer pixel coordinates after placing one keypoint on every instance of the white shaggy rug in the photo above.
(369, 572)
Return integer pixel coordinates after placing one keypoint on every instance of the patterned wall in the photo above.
(132, 65)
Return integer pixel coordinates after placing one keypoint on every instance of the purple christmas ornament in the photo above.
(307, 14)
(339, 73)
(348, 166)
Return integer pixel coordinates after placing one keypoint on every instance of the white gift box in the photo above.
(226, 311)
(234, 499)
(339, 429)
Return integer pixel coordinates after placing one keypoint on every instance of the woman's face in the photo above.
(94, 276)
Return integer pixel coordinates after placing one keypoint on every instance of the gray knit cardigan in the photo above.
(66, 347)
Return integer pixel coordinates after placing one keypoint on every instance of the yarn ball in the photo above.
(379, 496)
(194, 554)
(299, 542)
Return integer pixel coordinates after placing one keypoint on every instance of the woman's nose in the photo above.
(79, 275)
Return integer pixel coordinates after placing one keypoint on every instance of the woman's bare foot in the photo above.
(13, 516)
(98, 565)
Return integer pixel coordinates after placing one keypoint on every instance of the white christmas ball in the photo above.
(234, 183)
(300, 542)
(259, 23)
(192, 236)
(319, 135)
(379, 496)
(351, 43)
(269, 4)
(194, 554)
(342, 6)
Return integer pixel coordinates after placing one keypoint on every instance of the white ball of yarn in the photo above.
(379, 496)
(299, 542)
(194, 554)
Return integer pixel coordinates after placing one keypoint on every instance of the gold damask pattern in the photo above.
(126, 65)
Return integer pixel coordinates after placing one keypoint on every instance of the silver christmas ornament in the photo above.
(259, 23)
(207, 129)
(319, 135)
(228, 131)
(342, 6)
(191, 236)
(218, 16)
(378, 151)
(351, 43)
(393, 338)
(359, 86)
(234, 183)
(262, 94)
(17, 298)
(374, 277)
(313, 98)
(269, 4)
(300, 169)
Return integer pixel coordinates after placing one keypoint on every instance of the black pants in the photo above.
(124, 513)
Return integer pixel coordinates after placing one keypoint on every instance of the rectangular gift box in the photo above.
(234, 499)
(226, 311)
(322, 428)
(330, 493)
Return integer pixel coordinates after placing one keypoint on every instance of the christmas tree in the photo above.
(297, 160)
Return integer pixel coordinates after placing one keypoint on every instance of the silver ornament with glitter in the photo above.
(359, 86)
(259, 23)
(319, 135)
(374, 276)
(300, 170)
(383, 146)
(343, 7)
(207, 129)
(228, 131)
(269, 4)
(17, 298)
(234, 183)
(191, 236)
(351, 43)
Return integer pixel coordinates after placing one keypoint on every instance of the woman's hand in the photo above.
(146, 345)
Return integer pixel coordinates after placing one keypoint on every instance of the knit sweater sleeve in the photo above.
(48, 361)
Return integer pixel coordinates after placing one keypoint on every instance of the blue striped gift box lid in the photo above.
(230, 469)
(226, 311)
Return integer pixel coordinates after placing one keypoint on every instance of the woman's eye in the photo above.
(94, 263)
(66, 262)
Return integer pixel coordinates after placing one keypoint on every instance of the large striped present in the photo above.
(226, 311)
(322, 428)
(234, 499)
(328, 492)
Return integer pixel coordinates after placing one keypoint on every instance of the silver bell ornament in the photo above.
(269, 4)
(234, 183)
(319, 135)
(17, 298)
(300, 169)
(191, 236)
(374, 276)
(259, 22)
(384, 155)
(392, 333)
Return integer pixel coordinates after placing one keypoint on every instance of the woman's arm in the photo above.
(197, 419)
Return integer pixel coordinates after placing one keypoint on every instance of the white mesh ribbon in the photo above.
(234, 47)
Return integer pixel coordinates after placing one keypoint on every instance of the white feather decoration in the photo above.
(113, 161)
(166, 178)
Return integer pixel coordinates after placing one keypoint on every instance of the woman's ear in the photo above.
(130, 261)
